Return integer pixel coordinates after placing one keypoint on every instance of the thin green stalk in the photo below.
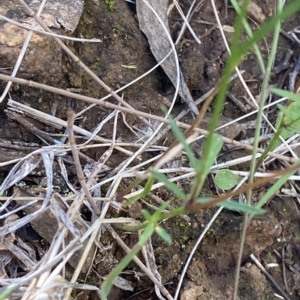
(8, 290)
(163, 216)
(268, 149)
(233, 60)
(248, 30)
(107, 284)
(262, 100)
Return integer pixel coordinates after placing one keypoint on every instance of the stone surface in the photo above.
(63, 14)
(43, 56)
(191, 291)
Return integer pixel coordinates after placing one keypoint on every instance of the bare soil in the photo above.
(213, 265)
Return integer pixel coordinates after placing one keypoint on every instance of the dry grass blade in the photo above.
(64, 220)
(96, 225)
(49, 120)
(139, 263)
(22, 53)
(149, 257)
(80, 175)
(29, 126)
(15, 250)
(65, 174)
(106, 154)
(140, 113)
(99, 127)
(56, 122)
(153, 22)
(49, 33)
(19, 171)
(76, 59)
(20, 208)
(263, 270)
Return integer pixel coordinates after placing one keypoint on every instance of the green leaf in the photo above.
(288, 122)
(206, 162)
(156, 217)
(226, 179)
(169, 185)
(233, 205)
(209, 158)
(182, 139)
(147, 233)
(146, 214)
(8, 290)
(274, 188)
(144, 193)
(268, 26)
(163, 234)
(241, 207)
(281, 108)
(160, 209)
(109, 281)
(204, 199)
(286, 94)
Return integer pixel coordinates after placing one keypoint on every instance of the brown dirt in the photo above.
(212, 269)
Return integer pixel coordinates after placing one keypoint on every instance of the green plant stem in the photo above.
(233, 61)
(173, 213)
(248, 30)
(268, 149)
(276, 137)
(163, 216)
(262, 100)
(275, 187)
(107, 284)
(132, 185)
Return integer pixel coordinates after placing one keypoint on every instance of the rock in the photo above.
(64, 14)
(191, 291)
(43, 56)
(255, 12)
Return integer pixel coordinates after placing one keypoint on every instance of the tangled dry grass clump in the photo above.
(31, 269)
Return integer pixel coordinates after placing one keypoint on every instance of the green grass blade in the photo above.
(109, 281)
(169, 185)
(269, 26)
(274, 188)
(206, 163)
(271, 146)
(241, 207)
(238, 51)
(232, 205)
(163, 234)
(4, 295)
(231, 63)
(249, 32)
(157, 214)
(182, 139)
(144, 193)
(286, 94)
